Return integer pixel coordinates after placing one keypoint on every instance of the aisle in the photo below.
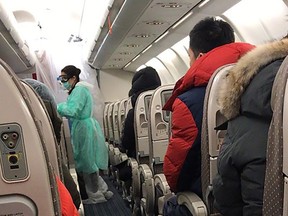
(114, 206)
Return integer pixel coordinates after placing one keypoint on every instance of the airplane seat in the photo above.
(275, 200)
(142, 146)
(110, 135)
(162, 192)
(110, 124)
(158, 141)
(121, 113)
(116, 156)
(114, 153)
(118, 122)
(68, 144)
(135, 187)
(211, 140)
(128, 106)
(147, 192)
(58, 131)
(110, 156)
(141, 126)
(158, 127)
(192, 202)
(50, 141)
(116, 131)
(26, 170)
(63, 148)
(105, 122)
(141, 132)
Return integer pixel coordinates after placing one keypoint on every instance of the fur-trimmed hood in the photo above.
(240, 76)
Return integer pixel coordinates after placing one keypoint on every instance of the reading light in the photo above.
(171, 5)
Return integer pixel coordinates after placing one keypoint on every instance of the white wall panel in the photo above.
(115, 84)
(165, 76)
(259, 21)
(173, 63)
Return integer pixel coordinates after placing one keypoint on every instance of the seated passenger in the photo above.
(211, 46)
(66, 203)
(245, 101)
(49, 101)
(144, 80)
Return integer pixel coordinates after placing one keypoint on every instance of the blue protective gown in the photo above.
(89, 148)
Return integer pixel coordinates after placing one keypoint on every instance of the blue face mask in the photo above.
(67, 85)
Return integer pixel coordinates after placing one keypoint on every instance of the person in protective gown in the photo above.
(89, 148)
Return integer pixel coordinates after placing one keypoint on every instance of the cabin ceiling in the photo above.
(136, 27)
(140, 29)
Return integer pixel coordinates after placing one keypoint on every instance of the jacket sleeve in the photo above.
(238, 187)
(74, 104)
(184, 133)
(252, 181)
(67, 206)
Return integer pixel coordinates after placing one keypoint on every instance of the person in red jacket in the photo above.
(67, 206)
(212, 45)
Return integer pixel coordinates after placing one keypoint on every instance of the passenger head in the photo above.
(208, 34)
(69, 77)
(42, 90)
(144, 80)
(50, 103)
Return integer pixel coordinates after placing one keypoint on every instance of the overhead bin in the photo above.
(13, 49)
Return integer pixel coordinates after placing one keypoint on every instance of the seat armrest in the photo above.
(195, 205)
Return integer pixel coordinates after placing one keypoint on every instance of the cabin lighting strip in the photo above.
(203, 3)
(147, 48)
(135, 58)
(182, 20)
(127, 64)
(161, 37)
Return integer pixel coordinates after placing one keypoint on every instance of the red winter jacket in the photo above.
(182, 162)
(67, 206)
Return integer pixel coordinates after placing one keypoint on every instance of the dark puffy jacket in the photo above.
(245, 100)
(144, 80)
(182, 162)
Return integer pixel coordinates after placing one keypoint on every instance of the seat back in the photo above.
(121, 114)
(57, 124)
(105, 121)
(116, 131)
(25, 170)
(67, 139)
(110, 123)
(141, 126)
(275, 201)
(158, 127)
(64, 148)
(128, 106)
(211, 139)
(42, 115)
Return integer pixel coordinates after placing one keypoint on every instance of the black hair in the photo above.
(145, 79)
(70, 71)
(210, 33)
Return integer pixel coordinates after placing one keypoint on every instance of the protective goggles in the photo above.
(63, 78)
